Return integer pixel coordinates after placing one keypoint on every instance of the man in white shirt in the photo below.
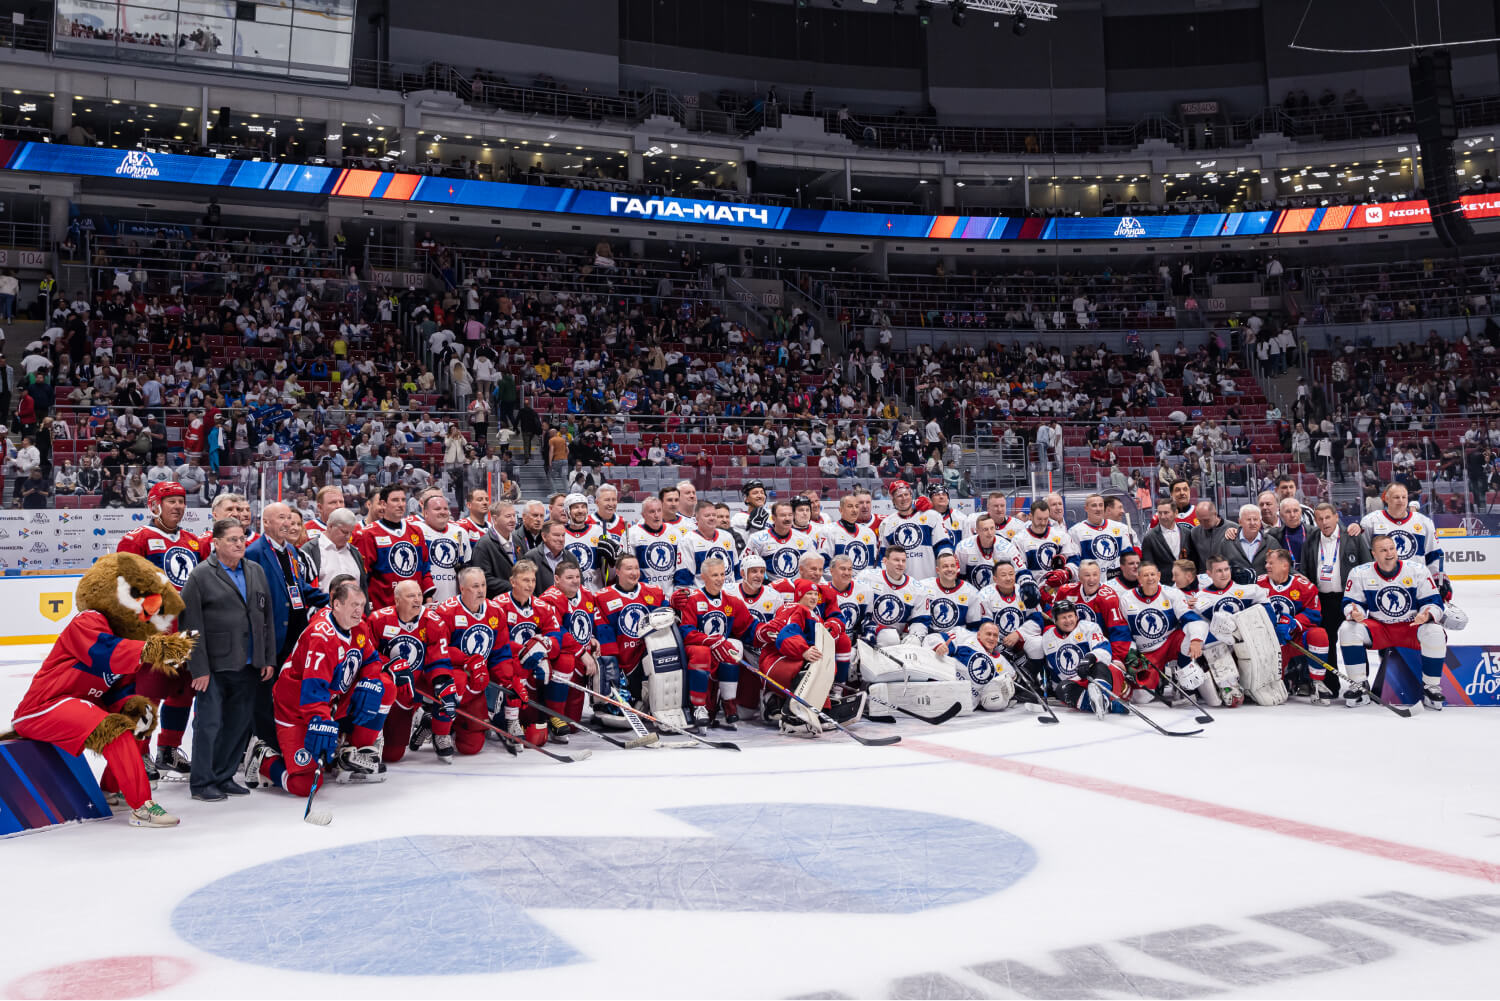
(1328, 556)
(331, 554)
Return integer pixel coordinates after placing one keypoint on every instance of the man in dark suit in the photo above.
(1210, 537)
(1328, 556)
(495, 553)
(292, 598)
(1167, 542)
(1248, 550)
(1292, 531)
(529, 534)
(228, 602)
(549, 554)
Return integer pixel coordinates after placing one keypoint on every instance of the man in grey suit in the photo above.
(549, 554)
(1209, 537)
(228, 602)
(495, 553)
(1328, 557)
(1248, 552)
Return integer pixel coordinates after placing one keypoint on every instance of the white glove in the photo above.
(1222, 625)
(1190, 676)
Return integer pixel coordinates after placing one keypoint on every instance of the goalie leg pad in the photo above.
(1224, 673)
(926, 697)
(1258, 652)
(665, 666)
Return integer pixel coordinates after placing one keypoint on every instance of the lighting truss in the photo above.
(1032, 10)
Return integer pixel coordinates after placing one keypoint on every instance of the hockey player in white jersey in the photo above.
(1166, 632)
(847, 537)
(954, 520)
(756, 515)
(448, 545)
(761, 599)
(1099, 539)
(947, 601)
(1079, 668)
(1042, 543)
(655, 545)
(1218, 604)
(920, 534)
(1392, 602)
(780, 544)
(581, 538)
(1010, 604)
(890, 600)
(979, 553)
(1415, 534)
(979, 658)
(707, 541)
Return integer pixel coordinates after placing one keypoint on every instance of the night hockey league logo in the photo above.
(178, 563)
(859, 557)
(1106, 547)
(632, 619)
(1283, 605)
(1393, 601)
(584, 554)
(1044, 554)
(521, 632)
(981, 575)
(1009, 619)
(407, 648)
(403, 559)
(478, 640)
(944, 613)
(1152, 624)
(1086, 613)
(1232, 606)
(716, 553)
(1068, 657)
(714, 624)
(889, 609)
(348, 668)
(784, 562)
(443, 552)
(907, 536)
(1406, 544)
(660, 557)
(849, 612)
(581, 625)
(981, 668)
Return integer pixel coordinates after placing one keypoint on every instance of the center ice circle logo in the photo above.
(800, 860)
(1406, 544)
(632, 619)
(442, 552)
(907, 536)
(660, 557)
(403, 559)
(1151, 624)
(478, 640)
(888, 609)
(1393, 601)
(178, 563)
(406, 648)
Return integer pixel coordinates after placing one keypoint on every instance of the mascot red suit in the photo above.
(83, 697)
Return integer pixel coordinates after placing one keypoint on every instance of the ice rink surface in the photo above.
(1285, 852)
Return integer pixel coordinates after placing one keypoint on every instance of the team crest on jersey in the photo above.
(1393, 601)
(661, 557)
(1283, 605)
(584, 554)
(944, 614)
(405, 647)
(784, 562)
(632, 620)
(1152, 623)
(478, 640)
(1406, 544)
(1009, 620)
(522, 631)
(403, 559)
(348, 668)
(858, 557)
(981, 575)
(1106, 547)
(907, 536)
(178, 563)
(443, 552)
(981, 668)
(1087, 614)
(1230, 605)
(1044, 554)
(1068, 657)
(581, 625)
(888, 609)
(717, 553)
(715, 623)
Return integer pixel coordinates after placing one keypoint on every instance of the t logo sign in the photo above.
(56, 605)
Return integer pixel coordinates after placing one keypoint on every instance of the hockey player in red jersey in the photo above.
(810, 569)
(1098, 602)
(620, 623)
(1298, 619)
(466, 649)
(531, 641)
(175, 552)
(576, 610)
(400, 634)
(83, 695)
(787, 641)
(330, 690)
(391, 548)
(715, 628)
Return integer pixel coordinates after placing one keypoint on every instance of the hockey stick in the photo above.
(1149, 721)
(1203, 716)
(650, 738)
(525, 745)
(722, 744)
(867, 741)
(321, 818)
(942, 717)
(1039, 693)
(1401, 711)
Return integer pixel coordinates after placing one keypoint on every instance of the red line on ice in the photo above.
(1332, 837)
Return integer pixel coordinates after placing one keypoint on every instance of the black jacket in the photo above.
(1154, 549)
(496, 562)
(1352, 552)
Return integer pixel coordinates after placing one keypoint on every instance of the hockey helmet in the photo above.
(1064, 606)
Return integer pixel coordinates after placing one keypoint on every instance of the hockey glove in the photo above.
(322, 738)
(1030, 595)
(1136, 665)
(406, 691)
(758, 519)
(365, 701)
(445, 694)
(1284, 625)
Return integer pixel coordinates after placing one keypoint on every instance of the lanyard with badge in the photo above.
(1328, 558)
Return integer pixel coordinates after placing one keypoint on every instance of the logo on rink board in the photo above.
(769, 858)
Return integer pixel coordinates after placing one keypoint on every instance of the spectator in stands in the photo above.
(27, 458)
(34, 490)
(555, 445)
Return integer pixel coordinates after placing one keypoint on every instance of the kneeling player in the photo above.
(1392, 603)
(1078, 663)
(981, 662)
(792, 656)
(1219, 603)
(464, 654)
(329, 690)
(400, 634)
(621, 622)
(1166, 632)
(716, 625)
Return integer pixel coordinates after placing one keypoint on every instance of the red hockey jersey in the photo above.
(576, 617)
(1103, 609)
(473, 641)
(391, 554)
(323, 668)
(620, 619)
(175, 554)
(87, 662)
(704, 615)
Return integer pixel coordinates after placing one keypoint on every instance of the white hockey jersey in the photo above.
(888, 604)
(1007, 612)
(1416, 536)
(1038, 550)
(695, 547)
(1102, 543)
(1007, 529)
(851, 607)
(448, 551)
(860, 545)
(762, 605)
(658, 553)
(1153, 620)
(976, 665)
(1396, 597)
(1064, 654)
(978, 567)
(782, 553)
(941, 610)
(580, 545)
(922, 534)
